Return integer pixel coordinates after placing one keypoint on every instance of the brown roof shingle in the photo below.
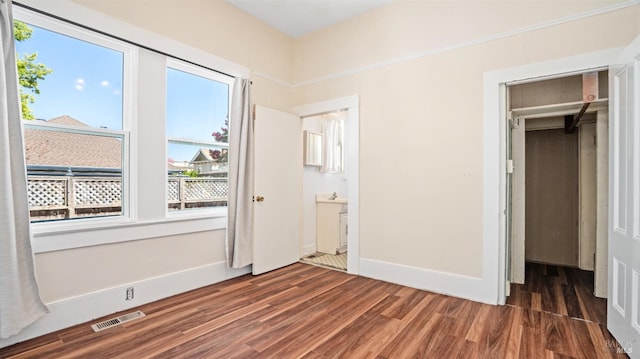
(55, 148)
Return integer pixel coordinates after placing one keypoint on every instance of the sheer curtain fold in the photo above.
(333, 132)
(20, 303)
(239, 239)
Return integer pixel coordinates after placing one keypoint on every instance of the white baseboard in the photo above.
(425, 279)
(76, 310)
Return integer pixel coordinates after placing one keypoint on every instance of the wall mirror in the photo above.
(312, 148)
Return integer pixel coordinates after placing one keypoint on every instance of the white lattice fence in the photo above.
(97, 191)
(50, 198)
(173, 190)
(47, 191)
(205, 189)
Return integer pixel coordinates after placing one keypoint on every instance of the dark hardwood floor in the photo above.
(560, 290)
(303, 311)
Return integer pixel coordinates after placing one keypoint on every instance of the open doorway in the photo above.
(325, 190)
(344, 183)
(557, 187)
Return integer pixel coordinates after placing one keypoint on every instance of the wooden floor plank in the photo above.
(557, 334)
(362, 336)
(561, 290)
(531, 342)
(497, 334)
(479, 325)
(303, 311)
(404, 305)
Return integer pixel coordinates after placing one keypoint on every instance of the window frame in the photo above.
(129, 62)
(214, 76)
(147, 227)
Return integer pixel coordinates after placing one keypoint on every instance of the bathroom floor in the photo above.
(338, 261)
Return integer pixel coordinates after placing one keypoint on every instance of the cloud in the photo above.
(105, 83)
(116, 92)
(79, 84)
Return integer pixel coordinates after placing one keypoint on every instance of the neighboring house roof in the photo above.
(204, 156)
(71, 149)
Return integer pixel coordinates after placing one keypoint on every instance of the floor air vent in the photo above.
(117, 321)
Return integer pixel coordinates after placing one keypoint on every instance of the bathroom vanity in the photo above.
(331, 224)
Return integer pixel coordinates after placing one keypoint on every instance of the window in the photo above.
(197, 129)
(75, 133)
(130, 124)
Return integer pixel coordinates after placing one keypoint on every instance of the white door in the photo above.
(278, 189)
(623, 305)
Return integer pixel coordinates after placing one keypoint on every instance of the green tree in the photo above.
(190, 173)
(29, 72)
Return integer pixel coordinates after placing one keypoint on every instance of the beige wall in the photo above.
(73, 272)
(423, 208)
(426, 209)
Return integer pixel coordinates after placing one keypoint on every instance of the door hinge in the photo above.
(509, 166)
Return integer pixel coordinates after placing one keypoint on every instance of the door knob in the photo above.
(259, 199)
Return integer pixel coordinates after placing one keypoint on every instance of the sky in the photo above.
(87, 84)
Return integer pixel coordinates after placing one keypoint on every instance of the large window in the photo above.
(197, 129)
(75, 132)
(122, 142)
(119, 137)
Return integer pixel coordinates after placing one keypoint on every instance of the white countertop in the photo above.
(338, 200)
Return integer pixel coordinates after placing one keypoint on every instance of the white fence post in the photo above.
(71, 198)
(182, 192)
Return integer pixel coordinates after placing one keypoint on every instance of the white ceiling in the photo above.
(300, 17)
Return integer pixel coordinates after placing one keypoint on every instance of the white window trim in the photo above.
(90, 222)
(214, 76)
(68, 237)
(97, 231)
(208, 74)
(129, 61)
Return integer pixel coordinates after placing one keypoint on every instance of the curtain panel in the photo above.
(239, 237)
(20, 303)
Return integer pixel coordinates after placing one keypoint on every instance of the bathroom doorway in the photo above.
(330, 186)
(324, 191)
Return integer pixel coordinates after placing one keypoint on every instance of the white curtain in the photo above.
(239, 240)
(333, 134)
(20, 303)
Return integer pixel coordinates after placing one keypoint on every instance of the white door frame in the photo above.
(494, 156)
(352, 105)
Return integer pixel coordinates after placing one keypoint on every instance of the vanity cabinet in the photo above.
(331, 227)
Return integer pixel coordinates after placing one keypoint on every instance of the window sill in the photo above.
(61, 236)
